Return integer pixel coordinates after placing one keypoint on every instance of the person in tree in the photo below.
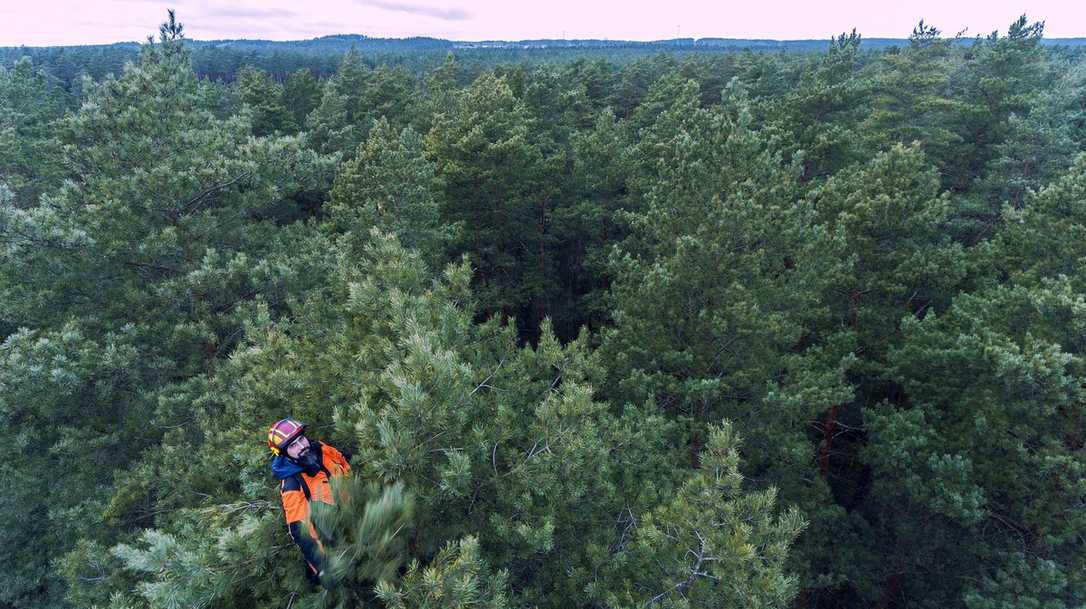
(304, 469)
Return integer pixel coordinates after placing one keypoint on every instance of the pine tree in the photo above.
(820, 113)
(390, 94)
(714, 545)
(1038, 147)
(126, 284)
(441, 88)
(913, 101)
(457, 577)
(718, 301)
(301, 94)
(603, 165)
(1043, 239)
(982, 471)
(492, 171)
(263, 97)
(722, 271)
(390, 185)
(30, 149)
(333, 126)
(893, 218)
(353, 99)
(1004, 78)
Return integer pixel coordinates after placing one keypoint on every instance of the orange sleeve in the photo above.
(336, 457)
(295, 506)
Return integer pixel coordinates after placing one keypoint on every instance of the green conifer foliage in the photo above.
(718, 301)
(58, 388)
(866, 261)
(457, 577)
(332, 126)
(218, 555)
(821, 111)
(441, 88)
(1008, 70)
(391, 186)
(160, 182)
(893, 218)
(1045, 239)
(983, 472)
(30, 105)
(127, 284)
(904, 265)
(1003, 83)
(493, 170)
(722, 271)
(913, 101)
(602, 166)
(714, 545)
(497, 442)
(264, 98)
(301, 94)
(1038, 148)
(389, 93)
(353, 99)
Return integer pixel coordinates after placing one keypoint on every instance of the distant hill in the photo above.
(220, 60)
(341, 42)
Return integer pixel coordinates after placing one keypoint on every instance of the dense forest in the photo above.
(727, 329)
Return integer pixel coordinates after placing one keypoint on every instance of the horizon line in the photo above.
(510, 40)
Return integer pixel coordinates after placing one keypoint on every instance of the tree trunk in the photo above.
(824, 448)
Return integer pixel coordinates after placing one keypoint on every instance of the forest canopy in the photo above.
(702, 329)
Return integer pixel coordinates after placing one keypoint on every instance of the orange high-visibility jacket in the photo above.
(298, 490)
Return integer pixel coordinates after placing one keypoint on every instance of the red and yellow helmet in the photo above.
(283, 433)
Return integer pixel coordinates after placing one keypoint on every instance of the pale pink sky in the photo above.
(48, 22)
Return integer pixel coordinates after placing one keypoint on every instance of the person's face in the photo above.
(298, 448)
